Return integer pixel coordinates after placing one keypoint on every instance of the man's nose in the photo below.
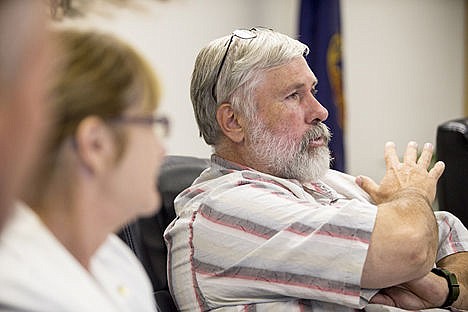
(315, 111)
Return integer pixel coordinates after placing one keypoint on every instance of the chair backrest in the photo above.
(145, 235)
(452, 149)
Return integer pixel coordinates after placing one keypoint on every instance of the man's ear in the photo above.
(95, 144)
(228, 121)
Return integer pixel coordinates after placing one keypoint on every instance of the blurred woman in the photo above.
(99, 173)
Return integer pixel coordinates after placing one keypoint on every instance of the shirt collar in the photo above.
(318, 187)
(227, 164)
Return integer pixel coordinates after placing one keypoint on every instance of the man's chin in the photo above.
(317, 165)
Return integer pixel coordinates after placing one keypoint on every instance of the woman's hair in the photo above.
(99, 75)
(244, 63)
(96, 75)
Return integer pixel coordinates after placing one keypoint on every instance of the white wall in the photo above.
(403, 63)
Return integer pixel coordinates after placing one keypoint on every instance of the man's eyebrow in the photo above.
(295, 86)
(301, 85)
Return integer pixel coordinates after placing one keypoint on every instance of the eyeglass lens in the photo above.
(161, 125)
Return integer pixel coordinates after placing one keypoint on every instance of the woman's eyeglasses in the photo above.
(160, 124)
(239, 33)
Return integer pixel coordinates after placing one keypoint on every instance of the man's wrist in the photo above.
(452, 283)
(413, 193)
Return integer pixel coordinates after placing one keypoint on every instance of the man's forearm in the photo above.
(405, 238)
(403, 244)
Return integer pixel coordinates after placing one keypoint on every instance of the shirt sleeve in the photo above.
(253, 240)
(453, 235)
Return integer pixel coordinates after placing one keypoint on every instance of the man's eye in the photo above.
(293, 96)
(314, 91)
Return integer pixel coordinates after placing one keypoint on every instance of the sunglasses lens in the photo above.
(239, 33)
(244, 33)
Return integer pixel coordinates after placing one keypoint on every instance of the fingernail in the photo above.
(359, 180)
(389, 144)
(428, 146)
(413, 144)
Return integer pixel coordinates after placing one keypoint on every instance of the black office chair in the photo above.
(452, 149)
(145, 235)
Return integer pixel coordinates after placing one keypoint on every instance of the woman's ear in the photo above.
(229, 123)
(95, 144)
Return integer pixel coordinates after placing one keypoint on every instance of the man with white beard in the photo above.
(269, 227)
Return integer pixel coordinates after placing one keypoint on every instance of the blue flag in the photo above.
(319, 28)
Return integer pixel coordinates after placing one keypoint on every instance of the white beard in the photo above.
(286, 158)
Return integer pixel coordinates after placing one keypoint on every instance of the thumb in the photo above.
(437, 170)
(367, 184)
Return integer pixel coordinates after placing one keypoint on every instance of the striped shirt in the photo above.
(248, 241)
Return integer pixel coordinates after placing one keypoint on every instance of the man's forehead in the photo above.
(295, 74)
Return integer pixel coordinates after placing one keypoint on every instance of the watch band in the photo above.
(453, 286)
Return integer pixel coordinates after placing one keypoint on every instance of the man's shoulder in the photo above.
(338, 175)
(345, 185)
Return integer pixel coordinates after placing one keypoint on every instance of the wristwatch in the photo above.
(453, 286)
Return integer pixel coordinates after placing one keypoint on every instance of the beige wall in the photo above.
(403, 74)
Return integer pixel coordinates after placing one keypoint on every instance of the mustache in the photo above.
(320, 130)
